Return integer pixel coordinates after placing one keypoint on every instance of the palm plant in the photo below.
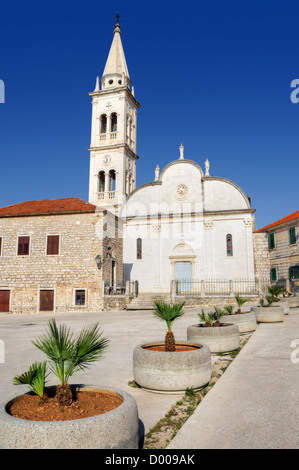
(229, 309)
(240, 301)
(262, 303)
(35, 377)
(270, 299)
(169, 313)
(212, 319)
(70, 354)
(275, 291)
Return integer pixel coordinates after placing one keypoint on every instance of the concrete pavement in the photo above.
(255, 404)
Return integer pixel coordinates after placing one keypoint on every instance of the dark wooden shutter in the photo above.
(46, 300)
(273, 274)
(271, 241)
(23, 245)
(292, 234)
(4, 300)
(0, 246)
(53, 245)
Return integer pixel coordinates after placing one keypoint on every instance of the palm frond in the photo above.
(35, 377)
(168, 312)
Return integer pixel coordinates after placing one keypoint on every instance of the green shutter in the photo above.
(271, 241)
(273, 274)
(292, 234)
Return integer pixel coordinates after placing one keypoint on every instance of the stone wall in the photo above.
(261, 256)
(74, 268)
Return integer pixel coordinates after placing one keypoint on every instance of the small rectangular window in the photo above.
(80, 297)
(271, 241)
(23, 246)
(273, 274)
(1, 246)
(292, 235)
(294, 272)
(53, 245)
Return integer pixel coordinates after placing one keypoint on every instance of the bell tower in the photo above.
(113, 132)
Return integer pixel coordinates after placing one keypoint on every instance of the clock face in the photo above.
(106, 159)
(181, 191)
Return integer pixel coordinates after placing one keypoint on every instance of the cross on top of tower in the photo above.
(117, 16)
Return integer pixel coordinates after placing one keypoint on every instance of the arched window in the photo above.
(101, 181)
(229, 245)
(103, 125)
(112, 178)
(113, 122)
(139, 248)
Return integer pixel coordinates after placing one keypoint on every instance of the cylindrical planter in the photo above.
(224, 338)
(268, 314)
(245, 321)
(171, 372)
(116, 429)
(282, 303)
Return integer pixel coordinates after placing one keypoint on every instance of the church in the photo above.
(183, 225)
(177, 235)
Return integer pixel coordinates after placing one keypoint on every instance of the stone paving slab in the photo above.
(255, 404)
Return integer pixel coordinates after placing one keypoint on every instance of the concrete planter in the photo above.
(293, 302)
(223, 338)
(245, 321)
(116, 429)
(268, 314)
(283, 303)
(171, 372)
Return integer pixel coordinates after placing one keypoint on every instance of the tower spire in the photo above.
(116, 71)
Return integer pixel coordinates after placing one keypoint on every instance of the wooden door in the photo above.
(46, 300)
(4, 300)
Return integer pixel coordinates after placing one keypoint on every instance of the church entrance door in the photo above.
(183, 273)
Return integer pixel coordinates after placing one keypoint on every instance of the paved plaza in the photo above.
(253, 405)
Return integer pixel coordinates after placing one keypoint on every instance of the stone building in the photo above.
(55, 256)
(283, 247)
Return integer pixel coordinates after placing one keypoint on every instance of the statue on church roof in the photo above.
(207, 165)
(181, 152)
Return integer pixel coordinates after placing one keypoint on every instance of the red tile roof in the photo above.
(288, 218)
(71, 205)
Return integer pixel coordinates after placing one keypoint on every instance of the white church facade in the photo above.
(184, 225)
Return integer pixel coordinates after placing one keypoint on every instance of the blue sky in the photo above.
(214, 76)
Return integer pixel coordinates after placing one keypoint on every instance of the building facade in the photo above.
(283, 247)
(56, 256)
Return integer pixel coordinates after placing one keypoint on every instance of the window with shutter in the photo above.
(53, 245)
(23, 246)
(294, 272)
(273, 274)
(292, 235)
(0, 246)
(271, 241)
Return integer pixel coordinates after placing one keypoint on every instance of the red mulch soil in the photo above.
(86, 404)
(178, 348)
